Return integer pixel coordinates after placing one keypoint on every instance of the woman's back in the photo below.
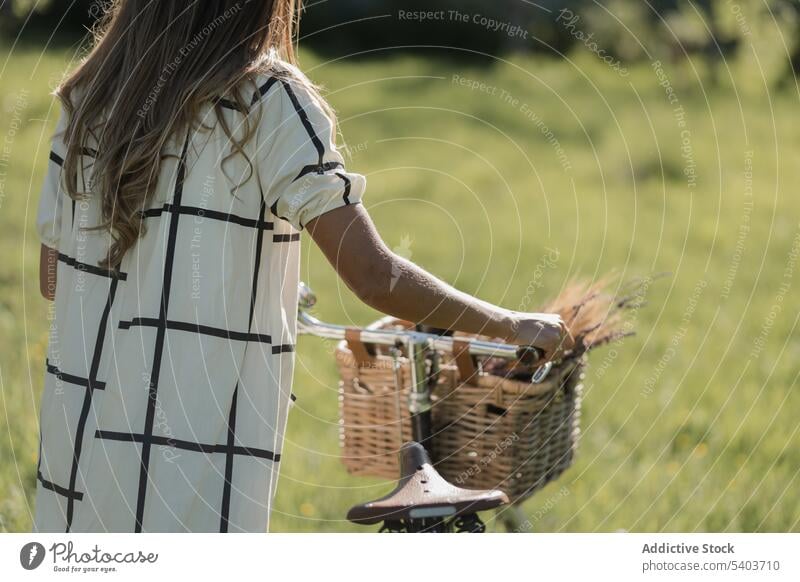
(177, 414)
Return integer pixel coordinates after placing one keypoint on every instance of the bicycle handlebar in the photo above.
(308, 324)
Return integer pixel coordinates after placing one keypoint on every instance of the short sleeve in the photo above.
(303, 174)
(51, 198)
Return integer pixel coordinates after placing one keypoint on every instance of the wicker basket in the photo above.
(489, 432)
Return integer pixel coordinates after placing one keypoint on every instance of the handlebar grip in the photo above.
(530, 355)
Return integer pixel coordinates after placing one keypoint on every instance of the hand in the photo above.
(546, 331)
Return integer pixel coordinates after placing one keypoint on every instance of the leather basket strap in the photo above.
(360, 353)
(464, 362)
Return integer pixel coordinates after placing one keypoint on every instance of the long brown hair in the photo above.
(152, 66)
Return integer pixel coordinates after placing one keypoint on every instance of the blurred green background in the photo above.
(678, 154)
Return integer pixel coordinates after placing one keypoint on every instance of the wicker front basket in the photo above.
(489, 433)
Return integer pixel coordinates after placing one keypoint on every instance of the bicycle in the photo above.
(423, 500)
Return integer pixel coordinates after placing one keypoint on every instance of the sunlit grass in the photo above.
(473, 182)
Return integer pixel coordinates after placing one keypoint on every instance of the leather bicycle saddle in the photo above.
(423, 493)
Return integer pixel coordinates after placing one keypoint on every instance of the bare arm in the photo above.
(47, 272)
(393, 285)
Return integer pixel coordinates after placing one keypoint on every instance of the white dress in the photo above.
(168, 384)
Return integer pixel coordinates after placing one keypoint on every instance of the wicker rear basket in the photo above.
(489, 432)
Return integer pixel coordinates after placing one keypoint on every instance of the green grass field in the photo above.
(690, 425)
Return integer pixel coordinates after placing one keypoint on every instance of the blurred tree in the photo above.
(710, 30)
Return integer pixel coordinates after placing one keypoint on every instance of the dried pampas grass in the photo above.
(595, 317)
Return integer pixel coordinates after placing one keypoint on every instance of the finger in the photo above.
(569, 341)
(551, 354)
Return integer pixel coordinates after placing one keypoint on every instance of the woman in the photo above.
(190, 155)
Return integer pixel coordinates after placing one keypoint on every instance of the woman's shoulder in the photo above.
(284, 88)
(275, 68)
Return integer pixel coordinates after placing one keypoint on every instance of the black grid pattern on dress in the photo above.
(90, 383)
(146, 438)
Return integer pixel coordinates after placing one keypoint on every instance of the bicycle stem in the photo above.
(419, 398)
